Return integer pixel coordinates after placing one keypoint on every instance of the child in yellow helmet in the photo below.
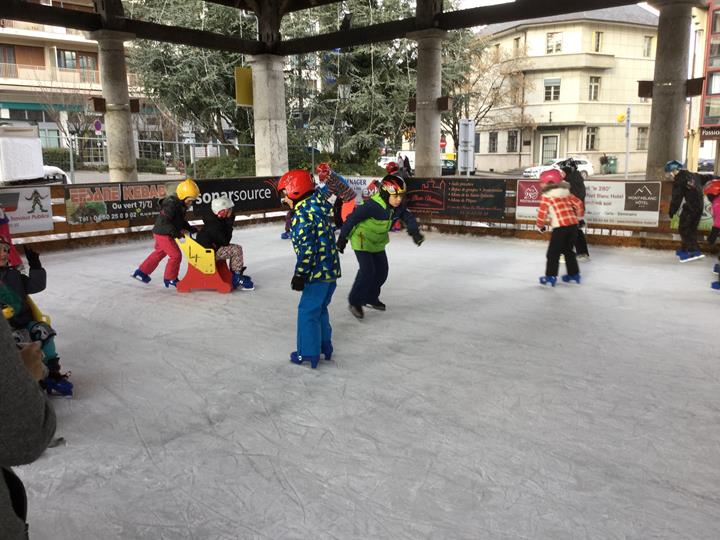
(169, 225)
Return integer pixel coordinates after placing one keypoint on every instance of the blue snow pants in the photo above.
(370, 278)
(313, 324)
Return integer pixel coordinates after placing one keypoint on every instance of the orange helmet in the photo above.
(296, 183)
(712, 188)
(551, 176)
(392, 167)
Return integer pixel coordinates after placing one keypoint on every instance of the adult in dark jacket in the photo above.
(686, 191)
(27, 425)
(577, 188)
(169, 225)
(216, 234)
(367, 229)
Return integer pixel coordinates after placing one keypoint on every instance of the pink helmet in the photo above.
(551, 176)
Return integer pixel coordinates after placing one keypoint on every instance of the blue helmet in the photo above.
(673, 165)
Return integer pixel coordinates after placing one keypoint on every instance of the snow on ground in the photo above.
(480, 405)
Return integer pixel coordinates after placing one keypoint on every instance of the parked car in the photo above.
(583, 165)
(384, 160)
(449, 166)
(55, 175)
(706, 164)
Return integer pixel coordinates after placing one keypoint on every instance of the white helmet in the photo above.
(220, 204)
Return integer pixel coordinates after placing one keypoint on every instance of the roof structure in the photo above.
(110, 15)
(633, 14)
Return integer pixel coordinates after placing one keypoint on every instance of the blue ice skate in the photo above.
(326, 349)
(170, 282)
(296, 358)
(716, 268)
(687, 256)
(285, 235)
(548, 280)
(679, 252)
(715, 285)
(57, 384)
(141, 276)
(245, 283)
(567, 278)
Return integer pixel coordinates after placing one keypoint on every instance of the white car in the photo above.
(584, 167)
(384, 160)
(55, 175)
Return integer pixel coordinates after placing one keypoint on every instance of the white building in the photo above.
(581, 73)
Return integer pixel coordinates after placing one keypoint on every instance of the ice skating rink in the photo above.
(479, 406)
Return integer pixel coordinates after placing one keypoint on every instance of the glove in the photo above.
(32, 257)
(341, 243)
(297, 283)
(541, 229)
(8, 312)
(418, 238)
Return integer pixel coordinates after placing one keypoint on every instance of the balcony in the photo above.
(40, 31)
(557, 62)
(24, 75)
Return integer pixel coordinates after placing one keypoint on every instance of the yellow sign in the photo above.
(243, 87)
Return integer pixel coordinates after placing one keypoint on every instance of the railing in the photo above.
(64, 76)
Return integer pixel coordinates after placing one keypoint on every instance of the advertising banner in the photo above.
(248, 194)
(606, 203)
(95, 203)
(28, 209)
(457, 197)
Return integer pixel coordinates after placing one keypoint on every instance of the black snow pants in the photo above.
(562, 242)
(687, 227)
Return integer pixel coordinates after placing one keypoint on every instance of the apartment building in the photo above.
(48, 77)
(579, 75)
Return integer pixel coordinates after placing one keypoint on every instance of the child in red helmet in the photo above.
(169, 225)
(367, 229)
(338, 186)
(317, 267)
(563, 210)
(14, 290)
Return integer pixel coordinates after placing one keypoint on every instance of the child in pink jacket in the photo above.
(711, 191)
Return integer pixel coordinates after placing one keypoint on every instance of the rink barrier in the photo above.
(65, 235)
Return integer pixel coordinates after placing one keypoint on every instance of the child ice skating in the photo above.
(169, 225)
(216, 234)
(14, 290)
(712, 192)
(334, 184)
(686, 191)
(563, 210)
(317, 267)
(367, 229)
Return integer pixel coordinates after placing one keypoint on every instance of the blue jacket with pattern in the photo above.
(314, 240)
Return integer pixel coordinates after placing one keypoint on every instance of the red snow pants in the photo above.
(164, 245)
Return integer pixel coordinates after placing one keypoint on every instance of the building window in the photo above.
(8, 68)
(711, 114)
(716, 22)
(50, 138)
(714, 54)
(594, 89)
(516, 47)
(477, 143)
(642, 138)
(552, 89)
(591, 138)
(554, 42)
(67, 59)
(647, 46)
(597, 41)
(512, 141)
(713, 84)
(492, 142)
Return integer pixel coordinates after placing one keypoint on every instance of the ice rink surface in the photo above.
(480, 405)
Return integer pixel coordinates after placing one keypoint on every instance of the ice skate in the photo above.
(715, 285)
(57, 384)
(242, 282)
(141, 276)
(296, 358)
(285, 235)
(567, 278)
(548, 280)
(695, 255)
(357, 311)
(326, 349)
(170, 282)
(376, 305)
(583, 257)
(716, 268)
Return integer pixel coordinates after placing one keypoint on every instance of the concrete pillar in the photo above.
(271, 151)
(427, 116)
(122, 160)
(667, 120)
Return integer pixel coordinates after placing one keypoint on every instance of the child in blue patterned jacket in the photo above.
(317, 268)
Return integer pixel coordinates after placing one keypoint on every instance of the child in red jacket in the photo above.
(564, 211)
